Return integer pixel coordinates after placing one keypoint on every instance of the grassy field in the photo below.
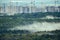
(33, 36)
(24, 19)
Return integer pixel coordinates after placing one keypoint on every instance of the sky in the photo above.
(24, 2)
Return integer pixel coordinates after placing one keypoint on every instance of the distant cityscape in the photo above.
(28, 9)
(13, 7)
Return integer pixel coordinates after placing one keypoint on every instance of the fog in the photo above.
(37, 26)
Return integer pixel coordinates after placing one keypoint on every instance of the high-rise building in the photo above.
(28, 9)
(52, 8)
(58, 8)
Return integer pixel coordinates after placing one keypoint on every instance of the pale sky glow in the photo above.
(16, 1)
(37, 2)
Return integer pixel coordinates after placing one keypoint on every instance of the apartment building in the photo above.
(28, 9)
(58, 8)
(52, 9)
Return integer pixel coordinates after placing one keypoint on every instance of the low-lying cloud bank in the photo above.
(37, 26)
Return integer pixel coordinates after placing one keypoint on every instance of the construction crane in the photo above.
(4, 6)
(56, 1)
(32, 4)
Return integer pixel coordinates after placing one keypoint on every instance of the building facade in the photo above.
(28, 9)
